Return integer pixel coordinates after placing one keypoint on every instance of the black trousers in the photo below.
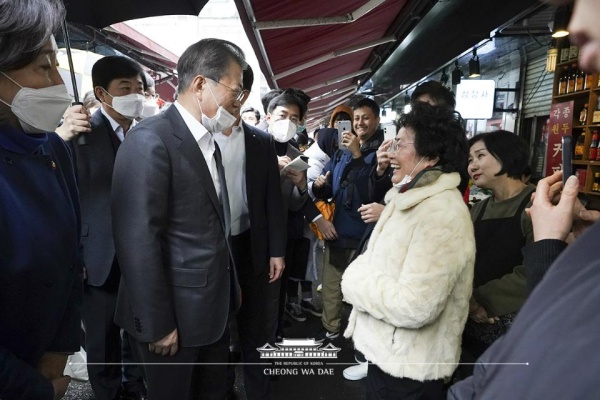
(193, 373)
(257, 317)
(381, 386)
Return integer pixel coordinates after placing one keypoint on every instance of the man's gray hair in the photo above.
(209, 58)
(25, 26)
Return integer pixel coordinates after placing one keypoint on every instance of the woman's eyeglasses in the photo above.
(397, 144)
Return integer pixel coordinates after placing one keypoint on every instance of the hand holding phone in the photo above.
(343, 127)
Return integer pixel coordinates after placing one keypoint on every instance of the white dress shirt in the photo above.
(205, 141)
(115, 125)
(233, 151)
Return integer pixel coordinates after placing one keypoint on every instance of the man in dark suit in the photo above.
(119, 86)
(258, 238)
(171, 225)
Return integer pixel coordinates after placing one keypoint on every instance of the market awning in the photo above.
(323, 47)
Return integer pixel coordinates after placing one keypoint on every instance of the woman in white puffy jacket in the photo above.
(410, 289)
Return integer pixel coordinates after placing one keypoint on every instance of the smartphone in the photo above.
(567, 157)
(343, 126)
(389, 132)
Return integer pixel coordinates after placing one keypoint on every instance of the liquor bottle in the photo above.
(562, 81)
(579, 147)
(593, 153)
(571, 81)
(596, 185)
(579, 80)
(588, 81)
(583, 114)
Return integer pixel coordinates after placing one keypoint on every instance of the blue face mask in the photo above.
(300, 128)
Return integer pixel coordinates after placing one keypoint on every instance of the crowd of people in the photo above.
(179, 238)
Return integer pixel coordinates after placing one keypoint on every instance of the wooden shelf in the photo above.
(567, 63)
(595, 126)
(586, 162)
(592, 193)
(573, 94)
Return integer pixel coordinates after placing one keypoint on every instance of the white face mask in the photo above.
(130, 106)
(222, 119)
(150, 109)
(39, 110)
(407, 178)
(283, 130)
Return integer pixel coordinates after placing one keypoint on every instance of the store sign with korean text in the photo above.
(475, 98)
(561, 124)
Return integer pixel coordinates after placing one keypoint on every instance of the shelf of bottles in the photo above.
(573, 84)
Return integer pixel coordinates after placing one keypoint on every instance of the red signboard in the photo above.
(561, 124)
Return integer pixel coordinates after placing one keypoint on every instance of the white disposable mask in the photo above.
(130, 106)
(407, 178)
(222, 119)
(150, 108)
(39, 110)
(283, 130)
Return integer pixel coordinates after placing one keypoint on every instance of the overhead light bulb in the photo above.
(474, 68)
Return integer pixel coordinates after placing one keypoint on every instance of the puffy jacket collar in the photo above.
(416, 195)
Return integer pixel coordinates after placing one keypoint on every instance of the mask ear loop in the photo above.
(13, 81)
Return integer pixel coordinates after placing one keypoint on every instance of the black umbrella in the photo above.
(102, 13)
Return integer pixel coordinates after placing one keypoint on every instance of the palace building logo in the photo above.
(298, 348)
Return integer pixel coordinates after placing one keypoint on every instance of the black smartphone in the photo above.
(567, 157)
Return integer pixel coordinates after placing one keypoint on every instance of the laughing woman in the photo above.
(410, 289)
(40, 279)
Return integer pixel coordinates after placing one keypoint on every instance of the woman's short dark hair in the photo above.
(438, 133)
(209, 58)
(506, 147)
(110, 68)
(25, 27)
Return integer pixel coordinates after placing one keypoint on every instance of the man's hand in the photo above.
(52, 365)
(552, 221)
(326, 228)
(166, 346)
(352, 143)
(283, 161)
(276, 267)
(76, 120)
(383, 159)
(370, 212)
(60, 386)
(322, 180)
(298, 178)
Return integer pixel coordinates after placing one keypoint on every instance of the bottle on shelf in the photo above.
(596, 185)
(593, 153)
(596, 112)
(579, 80)
(579, 147)
(583, 114)
(588, 81)
(562, 81)
(571, 80)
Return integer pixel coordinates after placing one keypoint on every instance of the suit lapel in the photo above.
(191, 152)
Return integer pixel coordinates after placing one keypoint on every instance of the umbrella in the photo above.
(102, 13)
